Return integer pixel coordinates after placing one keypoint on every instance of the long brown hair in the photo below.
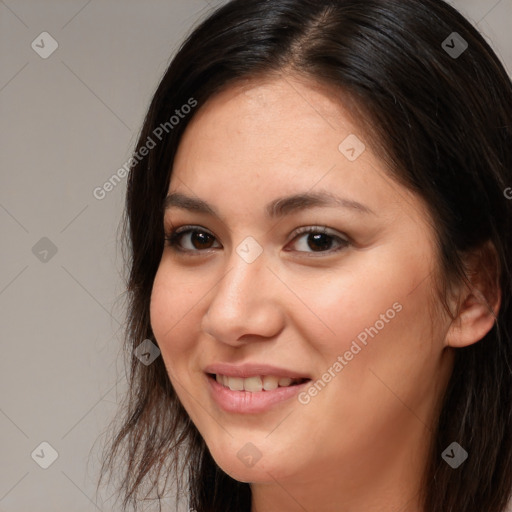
(444, 121)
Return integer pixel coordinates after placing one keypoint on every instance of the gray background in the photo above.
(67, 124)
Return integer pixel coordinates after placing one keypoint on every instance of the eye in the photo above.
(190, 239)
(314, 239)
(319, 239)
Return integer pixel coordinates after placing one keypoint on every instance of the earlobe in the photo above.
(480, 299)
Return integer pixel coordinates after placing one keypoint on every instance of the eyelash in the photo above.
(174, 237)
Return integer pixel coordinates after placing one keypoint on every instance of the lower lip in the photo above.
(246, 402)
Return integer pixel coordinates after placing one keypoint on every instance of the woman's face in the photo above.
(250, 292)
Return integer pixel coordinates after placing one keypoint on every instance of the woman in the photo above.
(320, 237)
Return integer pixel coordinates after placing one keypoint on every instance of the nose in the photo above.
(244, 306)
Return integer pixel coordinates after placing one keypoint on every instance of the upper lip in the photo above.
(252, 370)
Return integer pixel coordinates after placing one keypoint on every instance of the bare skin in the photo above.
(360, 443)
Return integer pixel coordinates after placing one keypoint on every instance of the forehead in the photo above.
(282, 122)
(258, 141)
(287, 99)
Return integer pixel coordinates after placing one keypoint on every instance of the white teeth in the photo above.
(254, 384)
(235, 383)
(270, 382)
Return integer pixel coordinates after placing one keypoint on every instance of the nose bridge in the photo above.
(246, 265)
(238, 289)
(240, 303)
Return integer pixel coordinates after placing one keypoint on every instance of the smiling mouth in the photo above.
(257, 383)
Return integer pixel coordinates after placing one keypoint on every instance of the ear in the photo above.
(477, 300)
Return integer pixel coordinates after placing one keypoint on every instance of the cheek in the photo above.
(383, 330)
(366, 302)
(173, 308)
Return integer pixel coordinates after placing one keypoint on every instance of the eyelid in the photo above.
(191, 227)
(319, 229)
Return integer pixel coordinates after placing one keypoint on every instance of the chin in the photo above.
(239, 465)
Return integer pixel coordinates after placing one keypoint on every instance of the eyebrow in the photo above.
(275, 209)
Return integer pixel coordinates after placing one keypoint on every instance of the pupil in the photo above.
(199, 240)
(317, 239)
